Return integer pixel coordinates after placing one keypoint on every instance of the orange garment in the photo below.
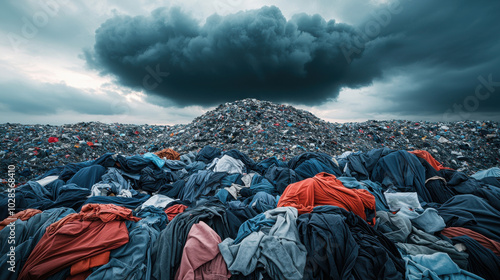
(81, 269)
(430, 159)
(23, 216)
(173, 210)
(81, 239)
(325, 189)
(483, 240)
(169, 154)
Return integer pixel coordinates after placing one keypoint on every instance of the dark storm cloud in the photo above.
(34, 98)
(444, 51)
(256, 53)
(447, 49)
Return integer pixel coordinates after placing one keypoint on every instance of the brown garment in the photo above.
(168, 154)
(23, 216)
(483, 240)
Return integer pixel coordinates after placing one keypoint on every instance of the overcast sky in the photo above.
(166, 62)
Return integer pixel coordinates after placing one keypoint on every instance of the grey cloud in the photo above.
(442, 48)
(255, 53)
(33, 98)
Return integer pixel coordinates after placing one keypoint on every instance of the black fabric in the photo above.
(437, 188)
(281, 177)
(482, 261)
(360, 165)
(341, 245)
(152, 180)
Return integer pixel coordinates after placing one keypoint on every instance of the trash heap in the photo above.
(261, 129)
(215, 214)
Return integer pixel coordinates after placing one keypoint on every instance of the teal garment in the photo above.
(252, 225)
(155, 159)
(488, 173)
(435, 266)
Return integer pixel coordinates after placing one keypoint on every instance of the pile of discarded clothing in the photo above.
(213, 214)
(260, 129)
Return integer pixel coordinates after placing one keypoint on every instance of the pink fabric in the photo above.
(201, 258)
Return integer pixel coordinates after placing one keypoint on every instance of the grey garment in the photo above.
(247, 179)
(429, 221)
(229, 165)
(175, 164)
(277, 249)
(158, 201)
(399, 200)
(395, 227)
(234, 190)
(113, 181)
(188, 158)
(420, 242)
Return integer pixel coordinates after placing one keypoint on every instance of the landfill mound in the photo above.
(260, 129)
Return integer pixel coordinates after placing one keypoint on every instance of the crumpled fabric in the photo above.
(403, 172)
(326, 189)
(201, 258)
(229, 165)
(430, 159)
(482, 261)
(168, 154)
(113, 181)
(96, 229)
(23, 216)
(435, 266)
(275, 248)
(493, 245)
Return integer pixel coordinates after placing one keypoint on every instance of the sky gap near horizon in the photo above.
(167, 62)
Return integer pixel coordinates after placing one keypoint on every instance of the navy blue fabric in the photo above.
(134, 164)
(460, 183)
(88, 176)
(152, 180)
(264, 165)
(438, 189)
(403, 172)
(249, 163)
(472, 212)
(482, 261)
(172, 190)
(33, 195)
(360, 165)
(207, 154)
(281, 177)
(325, 160)
(128, 202)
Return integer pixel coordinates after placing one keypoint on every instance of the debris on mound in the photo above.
(261, 129)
